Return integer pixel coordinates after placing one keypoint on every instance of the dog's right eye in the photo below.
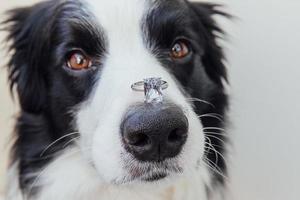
(180, 49)
(77, 60)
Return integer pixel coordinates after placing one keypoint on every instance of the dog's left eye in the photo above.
(180, 49)
(77, 60)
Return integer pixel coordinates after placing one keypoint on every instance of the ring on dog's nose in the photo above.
(152, 87)
(158, 82)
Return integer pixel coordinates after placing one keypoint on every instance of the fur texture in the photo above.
(67, 141)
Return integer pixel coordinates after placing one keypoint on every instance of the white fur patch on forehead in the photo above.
(119, 16)
(128, 60)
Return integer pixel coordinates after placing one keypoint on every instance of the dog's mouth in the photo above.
(155, 177)
(150, 177)
(152, 172)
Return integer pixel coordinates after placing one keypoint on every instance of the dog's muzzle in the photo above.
(156, 129)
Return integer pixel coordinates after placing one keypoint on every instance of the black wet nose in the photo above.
(154, 132)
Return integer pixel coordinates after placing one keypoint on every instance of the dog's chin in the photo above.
(154, 172)
(156, 177)
(161, 179)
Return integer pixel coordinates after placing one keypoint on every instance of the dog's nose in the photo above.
(154, 132)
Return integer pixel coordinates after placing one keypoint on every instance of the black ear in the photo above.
(213, 58)
(28, 29)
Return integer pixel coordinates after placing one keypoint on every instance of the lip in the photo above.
(151, 176)
(155, 177)
(150, 171)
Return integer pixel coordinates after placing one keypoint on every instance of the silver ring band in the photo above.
(139, 86)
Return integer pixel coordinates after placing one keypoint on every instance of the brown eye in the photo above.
(78, 61)
(180, 50)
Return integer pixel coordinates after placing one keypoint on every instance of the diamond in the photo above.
(153, 90)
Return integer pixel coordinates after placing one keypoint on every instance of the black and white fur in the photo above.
(67, 141)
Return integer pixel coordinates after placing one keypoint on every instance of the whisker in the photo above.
(201, 101)
(70, 141)
(214, 168)
(213, 148)
(215, 145)
(212, 115)
(214, 128)
(214, 133)
(217, 138)
(213, 165)
(53, 143)
(217, 152)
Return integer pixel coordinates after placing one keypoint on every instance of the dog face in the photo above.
(74, 63)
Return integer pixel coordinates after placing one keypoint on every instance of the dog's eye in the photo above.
(180, 49)
(77, 60)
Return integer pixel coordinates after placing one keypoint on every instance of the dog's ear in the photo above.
(213, 58)
(28, 30)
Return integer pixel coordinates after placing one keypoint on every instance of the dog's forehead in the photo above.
(126, 14)
(121, 14)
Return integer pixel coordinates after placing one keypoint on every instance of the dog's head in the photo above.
(73, 64)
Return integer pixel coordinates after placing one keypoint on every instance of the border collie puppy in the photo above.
(84, 134)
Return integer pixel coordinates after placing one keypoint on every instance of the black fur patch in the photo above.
(41, 37)
(202, 72)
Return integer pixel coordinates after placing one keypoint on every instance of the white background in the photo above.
(263, 50)
(264, 65)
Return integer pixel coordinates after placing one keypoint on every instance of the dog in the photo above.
(83, 131)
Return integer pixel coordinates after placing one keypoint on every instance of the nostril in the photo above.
(137, 139)
(177, 135)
